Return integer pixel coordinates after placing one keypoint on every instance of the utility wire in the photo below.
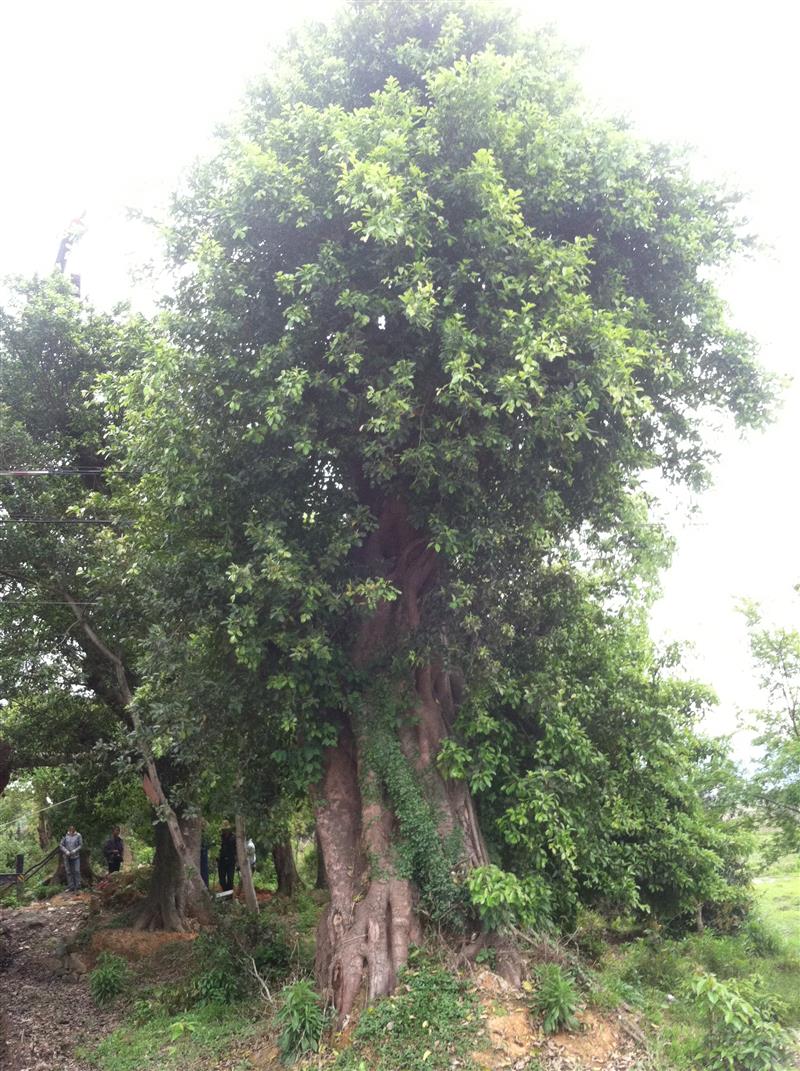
(47, 602)
(31, 814)
(52, 472)
(61, 520)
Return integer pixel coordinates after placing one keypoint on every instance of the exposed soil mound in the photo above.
(602, 1044)
(134, 944)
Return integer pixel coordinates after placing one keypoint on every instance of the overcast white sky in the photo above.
(103, 105)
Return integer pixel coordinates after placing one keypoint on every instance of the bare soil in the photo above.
(603, 1042)
(134, 944)
(46, 1011)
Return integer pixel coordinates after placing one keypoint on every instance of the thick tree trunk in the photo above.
(363, 938)
(245, 873)
(44, 831)
(173, 898)
(283, 857)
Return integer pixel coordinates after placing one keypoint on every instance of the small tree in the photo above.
(68, 631)
(775, 786)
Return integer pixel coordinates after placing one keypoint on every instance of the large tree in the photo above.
(432, 320)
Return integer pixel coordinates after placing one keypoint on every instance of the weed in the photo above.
(608, 990)
(108, 979)
(487, 957)
(763, 939)
(656, 964)
(172, 1042)
(431, 1023)
(301, 1019)
(590, 936)
(225, 957)
(180, 1027)
(220, 978)
(740, 1036)
(556, 998)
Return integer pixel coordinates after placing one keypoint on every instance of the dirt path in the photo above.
(46, 1012)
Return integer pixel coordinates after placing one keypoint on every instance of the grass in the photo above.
(178, 1043)
(777, 890)
(434, 1020)
(654, 973)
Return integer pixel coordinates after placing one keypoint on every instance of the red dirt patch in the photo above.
(594, 1044)
(512, 1040)
(134, 944)
(602, 1043)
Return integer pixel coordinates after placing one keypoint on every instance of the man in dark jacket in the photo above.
(226, 862)
(112, 850)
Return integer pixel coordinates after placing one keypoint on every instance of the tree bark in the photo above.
(322, 878)
(245, 873)
(283, 857)
(373, 917)
(173, 900)
(364, 936)
(44, 831)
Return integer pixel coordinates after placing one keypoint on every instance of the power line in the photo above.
(28, 814)
(60, 520)
(48, 602)
(52, 472)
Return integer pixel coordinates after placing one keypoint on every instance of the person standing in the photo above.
(112, 850)
(71, 844)
(226, 862)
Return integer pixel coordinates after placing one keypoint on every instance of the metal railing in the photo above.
(21, 875)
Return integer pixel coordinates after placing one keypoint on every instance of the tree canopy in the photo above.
(380, 465)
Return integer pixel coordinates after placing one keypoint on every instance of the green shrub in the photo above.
(224, 957)
(108, 979)
(219, 977)
(590, 936)
(502, 899)
(725, 956)
(608, 990)
(301, 1020)
(556, 998)
(740, 1036)
(487, 957)
(656, 964)
(45, 891)
(761, 939)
